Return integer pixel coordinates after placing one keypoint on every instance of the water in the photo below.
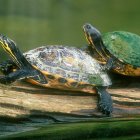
(34, 23)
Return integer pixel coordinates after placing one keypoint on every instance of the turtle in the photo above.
(57, 66)
(121, 48)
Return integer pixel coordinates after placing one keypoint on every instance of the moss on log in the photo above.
(103, 129)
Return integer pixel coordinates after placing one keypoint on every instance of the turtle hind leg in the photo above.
(104, 101)
(23, 74)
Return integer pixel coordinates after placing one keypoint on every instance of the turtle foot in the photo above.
(105, 102)
(105, 108)
(3, 80)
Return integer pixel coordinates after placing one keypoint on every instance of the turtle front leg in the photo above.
(12, 77)
(104, 101)
(7, 67)
(113, 63)
(109, 64)
(23, 74)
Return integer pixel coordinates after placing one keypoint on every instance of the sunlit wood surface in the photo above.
(22, 99)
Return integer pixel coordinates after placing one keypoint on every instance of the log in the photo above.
(25, 107)
(22, 99)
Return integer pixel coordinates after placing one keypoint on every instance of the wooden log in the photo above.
(22, 99)
(25, 107)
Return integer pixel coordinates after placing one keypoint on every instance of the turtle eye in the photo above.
(88, 26)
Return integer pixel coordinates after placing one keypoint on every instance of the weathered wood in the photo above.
(22, 99)
(25, 107)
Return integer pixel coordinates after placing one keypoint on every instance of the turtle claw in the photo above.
(3, 80)
(105, 109)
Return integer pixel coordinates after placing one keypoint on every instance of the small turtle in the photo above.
(61, 67)
(121, 48)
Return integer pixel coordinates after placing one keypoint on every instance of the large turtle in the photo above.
(121, 48)
(59, 67)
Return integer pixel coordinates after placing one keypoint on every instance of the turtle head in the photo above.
(9, 46)
(94, 39)
(92, 34)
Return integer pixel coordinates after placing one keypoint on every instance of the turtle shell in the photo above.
(68, 62)
(124, 46)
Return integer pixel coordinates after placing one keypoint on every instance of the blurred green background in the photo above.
(32, 23)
